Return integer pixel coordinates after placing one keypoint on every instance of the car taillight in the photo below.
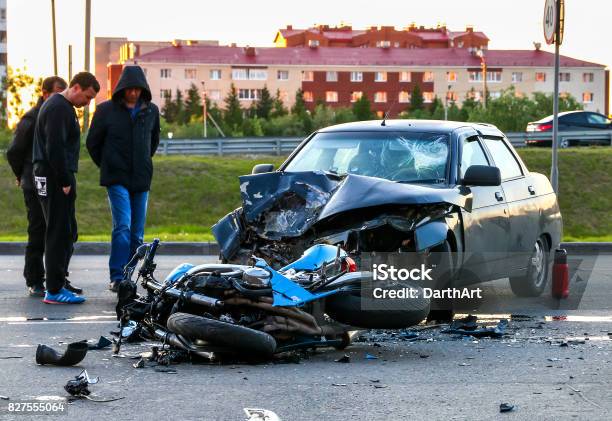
(349, 265)
(543, 127)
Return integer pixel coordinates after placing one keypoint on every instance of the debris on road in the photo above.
(4, 398)
(255, 414)
(468, 326)
(505, 407)
(75, 352)
(103, 343)
(344, 359)
(370, 357)
(78, 387)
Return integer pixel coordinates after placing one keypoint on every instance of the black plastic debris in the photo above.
(165, 370)
(103, 343)
(468, 326)
(79, 387)
(505, 407)
(75, 352)
(4, 398)
(139, 364)
(344, 359)
(11, 357)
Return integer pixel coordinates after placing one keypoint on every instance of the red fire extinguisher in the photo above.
(560, 275)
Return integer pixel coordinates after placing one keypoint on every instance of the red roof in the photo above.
(348, 56)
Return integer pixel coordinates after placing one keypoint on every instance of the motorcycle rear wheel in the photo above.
(237, 339)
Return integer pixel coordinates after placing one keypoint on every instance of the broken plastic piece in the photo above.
(75, 352)
(370, 357)
(139, 364)
(255, 414)
(78, 386)
(469, 327)
(103, 342)
(344, 359)
(505, 407)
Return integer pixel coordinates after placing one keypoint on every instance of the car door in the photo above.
(599, 122)
(487, 225)
(521, 199)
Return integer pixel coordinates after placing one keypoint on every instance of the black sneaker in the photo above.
(36, 291)
(114, 286)
(72, 288)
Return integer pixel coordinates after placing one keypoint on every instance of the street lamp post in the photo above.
(446, 103)
(483, 66)
(204, 110)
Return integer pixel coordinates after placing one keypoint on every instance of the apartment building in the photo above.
(3, 51)
(381, 36)
(387, 76)
(113, 51)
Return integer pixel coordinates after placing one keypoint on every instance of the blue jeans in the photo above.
(129, 212)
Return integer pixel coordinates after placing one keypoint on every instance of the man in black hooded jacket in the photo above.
(122, 140)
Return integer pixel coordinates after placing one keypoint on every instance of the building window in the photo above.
(428, 97)
(2, 37)
(356, 77)
(380, 97)
(165, 93)
(428, 77)
(475, 76)
(331, 96)
(191, 73)
(214, 94)
(451, 76)
(383, 44)
(460, 44)
(165, 73)
(331, 76)
(215, 74)
(517, 77)
(396, 44)
(282, 75)
(307, 76)
(3, 14)
(587, 97)
(405, 77)
(452, 96)
(404, 97)
(249, 74)
(313, 42)
(494, 76)
(356, 96)
(564, 77)
(494, 94)
(540, 77)
(284, 96)
(380, 77)
(249, 94)
(588, 77)
(308, 96)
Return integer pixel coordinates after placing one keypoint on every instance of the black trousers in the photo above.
(34, 270)
(61, 232)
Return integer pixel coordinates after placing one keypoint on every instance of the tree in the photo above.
(362, 110)
(193, 104)
(437, 109)
(233, 112)
(179, 107)
(265, 104)
(416, 99)
(278, 108)
(169, 109)
(299, 108)
(20, 86)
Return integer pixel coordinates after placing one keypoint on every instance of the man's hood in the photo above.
(132, 77)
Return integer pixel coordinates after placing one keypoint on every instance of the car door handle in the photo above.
(531, 190)
(499, 196)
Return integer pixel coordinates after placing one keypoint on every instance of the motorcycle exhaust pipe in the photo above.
(171, 338)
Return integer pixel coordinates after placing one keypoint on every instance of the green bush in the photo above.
(5, 137)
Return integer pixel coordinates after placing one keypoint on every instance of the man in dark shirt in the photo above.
(19, 157)
(55, 155)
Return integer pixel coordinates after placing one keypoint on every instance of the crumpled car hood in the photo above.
(282, 204)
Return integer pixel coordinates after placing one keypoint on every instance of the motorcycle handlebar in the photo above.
(192, 297)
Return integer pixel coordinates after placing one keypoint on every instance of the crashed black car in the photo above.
(403, 186)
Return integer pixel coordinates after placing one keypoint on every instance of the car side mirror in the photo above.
(262, 168)
(481, 175)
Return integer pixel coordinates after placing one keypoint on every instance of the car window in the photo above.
(472, 154)
(504, 159)
(395, 156)
(573, 118)
(597, 119)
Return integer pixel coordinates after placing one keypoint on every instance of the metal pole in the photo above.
(54, 37)
(554, 171)
(69, 61)
(87, 45)
(484, 82)
(204, 110)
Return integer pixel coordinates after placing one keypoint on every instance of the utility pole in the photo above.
(54, 37)
(446, 103)
(69, 61)
(87, 45)
(204, 110)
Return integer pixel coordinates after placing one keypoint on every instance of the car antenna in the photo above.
(387, 113)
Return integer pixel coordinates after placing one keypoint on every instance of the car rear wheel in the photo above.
(564, 143)
(536, 277)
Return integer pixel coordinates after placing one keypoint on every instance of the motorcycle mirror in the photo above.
(142, 250)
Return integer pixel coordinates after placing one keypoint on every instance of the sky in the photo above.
(510, 24)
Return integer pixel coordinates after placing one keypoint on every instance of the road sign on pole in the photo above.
(553, 20)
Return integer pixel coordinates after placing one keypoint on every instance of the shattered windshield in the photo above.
(395, 156)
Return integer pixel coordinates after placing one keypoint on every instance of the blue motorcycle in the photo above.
(257, 311)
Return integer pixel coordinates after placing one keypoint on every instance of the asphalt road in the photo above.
(439, 376)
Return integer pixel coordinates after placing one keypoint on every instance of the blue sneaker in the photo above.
(63, 297)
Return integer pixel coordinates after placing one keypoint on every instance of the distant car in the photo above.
(575, 121)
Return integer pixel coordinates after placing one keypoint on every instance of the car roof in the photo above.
(550, 117)
(430, 126)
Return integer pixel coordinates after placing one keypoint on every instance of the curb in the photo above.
(212, 249)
